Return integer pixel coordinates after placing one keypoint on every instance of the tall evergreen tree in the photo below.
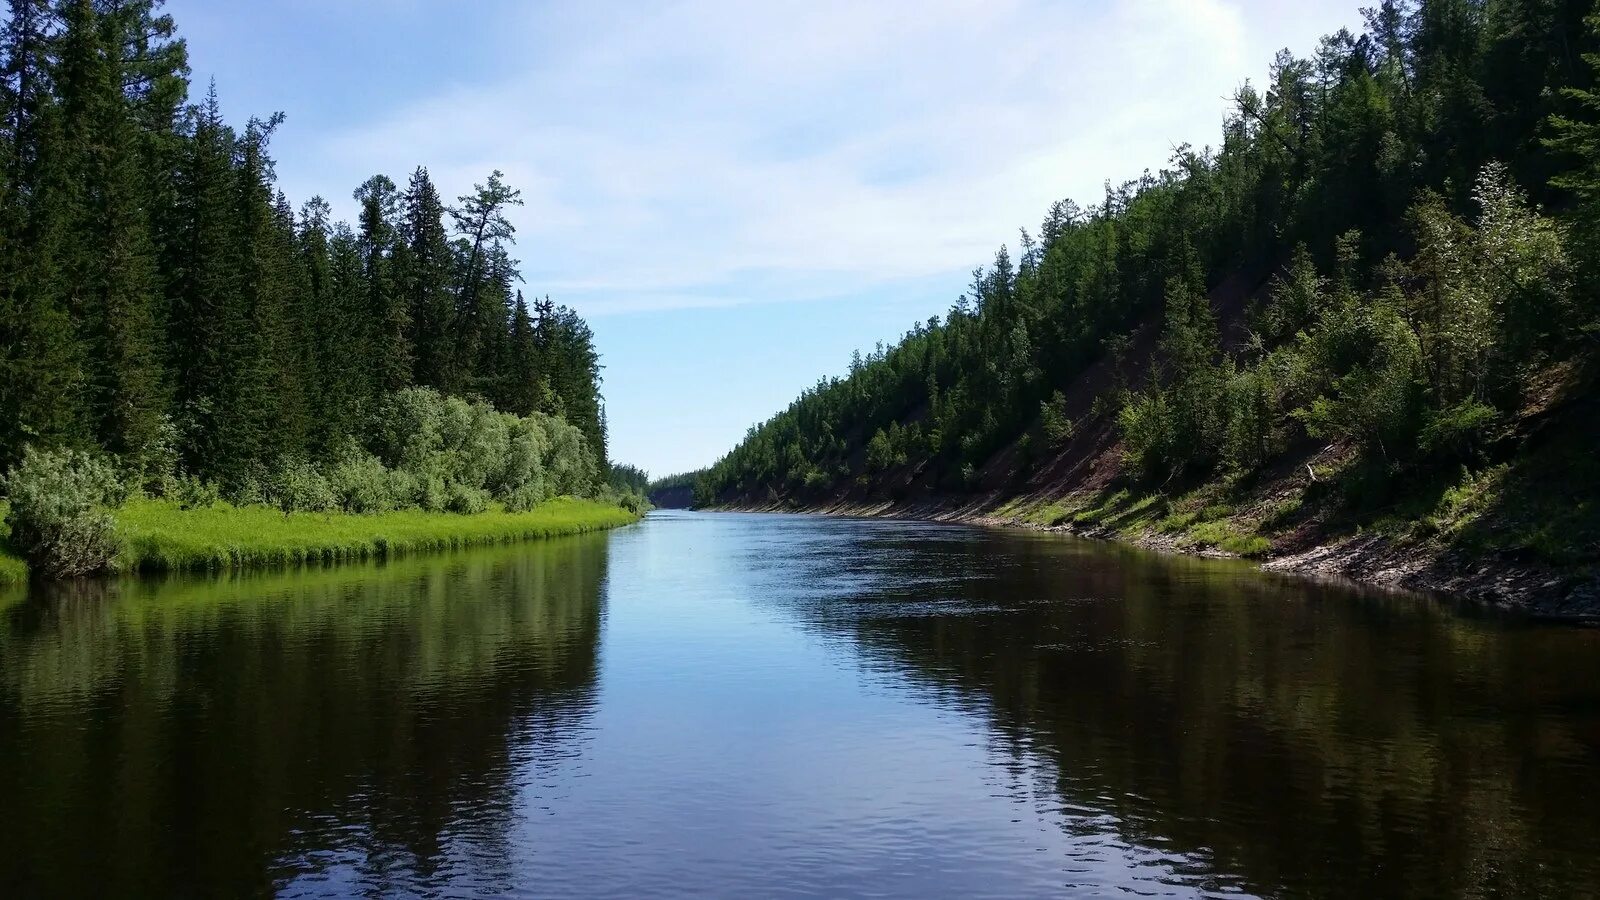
(424, 273)
(387, 311)
(481, 221)
(41, 356)
(109, 259)
(206, 275)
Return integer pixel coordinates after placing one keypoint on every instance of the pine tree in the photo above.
(481, 221)
(423, 272)
(525, 389)
(41, 358)
(347, 386)
(258, 387)
(389, 318)
(110, 261)
(206, 276)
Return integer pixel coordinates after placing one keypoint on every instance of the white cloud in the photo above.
(670, 153)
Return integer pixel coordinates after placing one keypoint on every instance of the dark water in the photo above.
(767, 705)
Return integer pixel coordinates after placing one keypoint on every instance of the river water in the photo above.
(754, 705)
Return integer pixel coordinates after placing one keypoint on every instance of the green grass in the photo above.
(1107, 507)
(159, 536)
(1225, 536)
(13, 569)
(1047, 515)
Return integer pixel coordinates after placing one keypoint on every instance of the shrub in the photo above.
(60, 511)
(1053, 421)
(248, 489)
(460, 498)
(445, 443)
(1377, 399)
(521, 499)
(1456, 432)
(1148, 434)
(521, 479)
(194, 492)
(361, 484)
(299, 487)
(433, 493)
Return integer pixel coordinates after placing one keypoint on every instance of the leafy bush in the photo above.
(1053, 421)
(299, 487)
(522, 499)
(633, 502)
(1149, 440)
(361, 484)
(1456, 432)
(194, 492)
(460, 498)
(450, 448)
(60, 511)
(1377, 400)
(248, 489)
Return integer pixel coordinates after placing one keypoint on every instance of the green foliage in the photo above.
(362, 484)
(629, 478)
(194, 492)
(1370, 185)
(159, 536)
(299, 487)
(59, 514)
(1376, 401)
(160, 299)
(1053, 422)
(465, 499)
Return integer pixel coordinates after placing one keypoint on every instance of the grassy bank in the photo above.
(159, 536)
(13, 570)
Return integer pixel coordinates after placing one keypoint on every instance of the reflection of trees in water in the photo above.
(223, 733)
(1298, 736)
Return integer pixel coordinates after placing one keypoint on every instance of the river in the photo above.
(766, 705)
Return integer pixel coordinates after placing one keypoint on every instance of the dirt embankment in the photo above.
(1275, 517)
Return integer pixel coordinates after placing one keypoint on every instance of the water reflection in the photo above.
(358, 725)
(759, 705)
(1296, 738)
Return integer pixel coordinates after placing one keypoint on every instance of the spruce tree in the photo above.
(388, 317)
(424, 272)
(41, 356)
(109, 260)
(206, 278)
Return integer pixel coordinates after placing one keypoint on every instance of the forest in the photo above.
(1393, 250)
(171, 324)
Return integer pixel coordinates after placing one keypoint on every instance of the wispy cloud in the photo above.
(670, 153)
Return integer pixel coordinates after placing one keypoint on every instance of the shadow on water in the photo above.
(1294, 737)
(236, 734)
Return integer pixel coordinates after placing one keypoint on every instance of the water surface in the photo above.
(744, 705)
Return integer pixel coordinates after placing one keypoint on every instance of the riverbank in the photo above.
(13, 570)
(1192, 525)
(159, 536)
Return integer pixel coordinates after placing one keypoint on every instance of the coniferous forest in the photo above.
(1387, 269)
(162, 300)
(170, 319)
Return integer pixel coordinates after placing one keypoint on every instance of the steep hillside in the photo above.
(1357, 337)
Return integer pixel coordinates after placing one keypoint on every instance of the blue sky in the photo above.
(738, 194)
